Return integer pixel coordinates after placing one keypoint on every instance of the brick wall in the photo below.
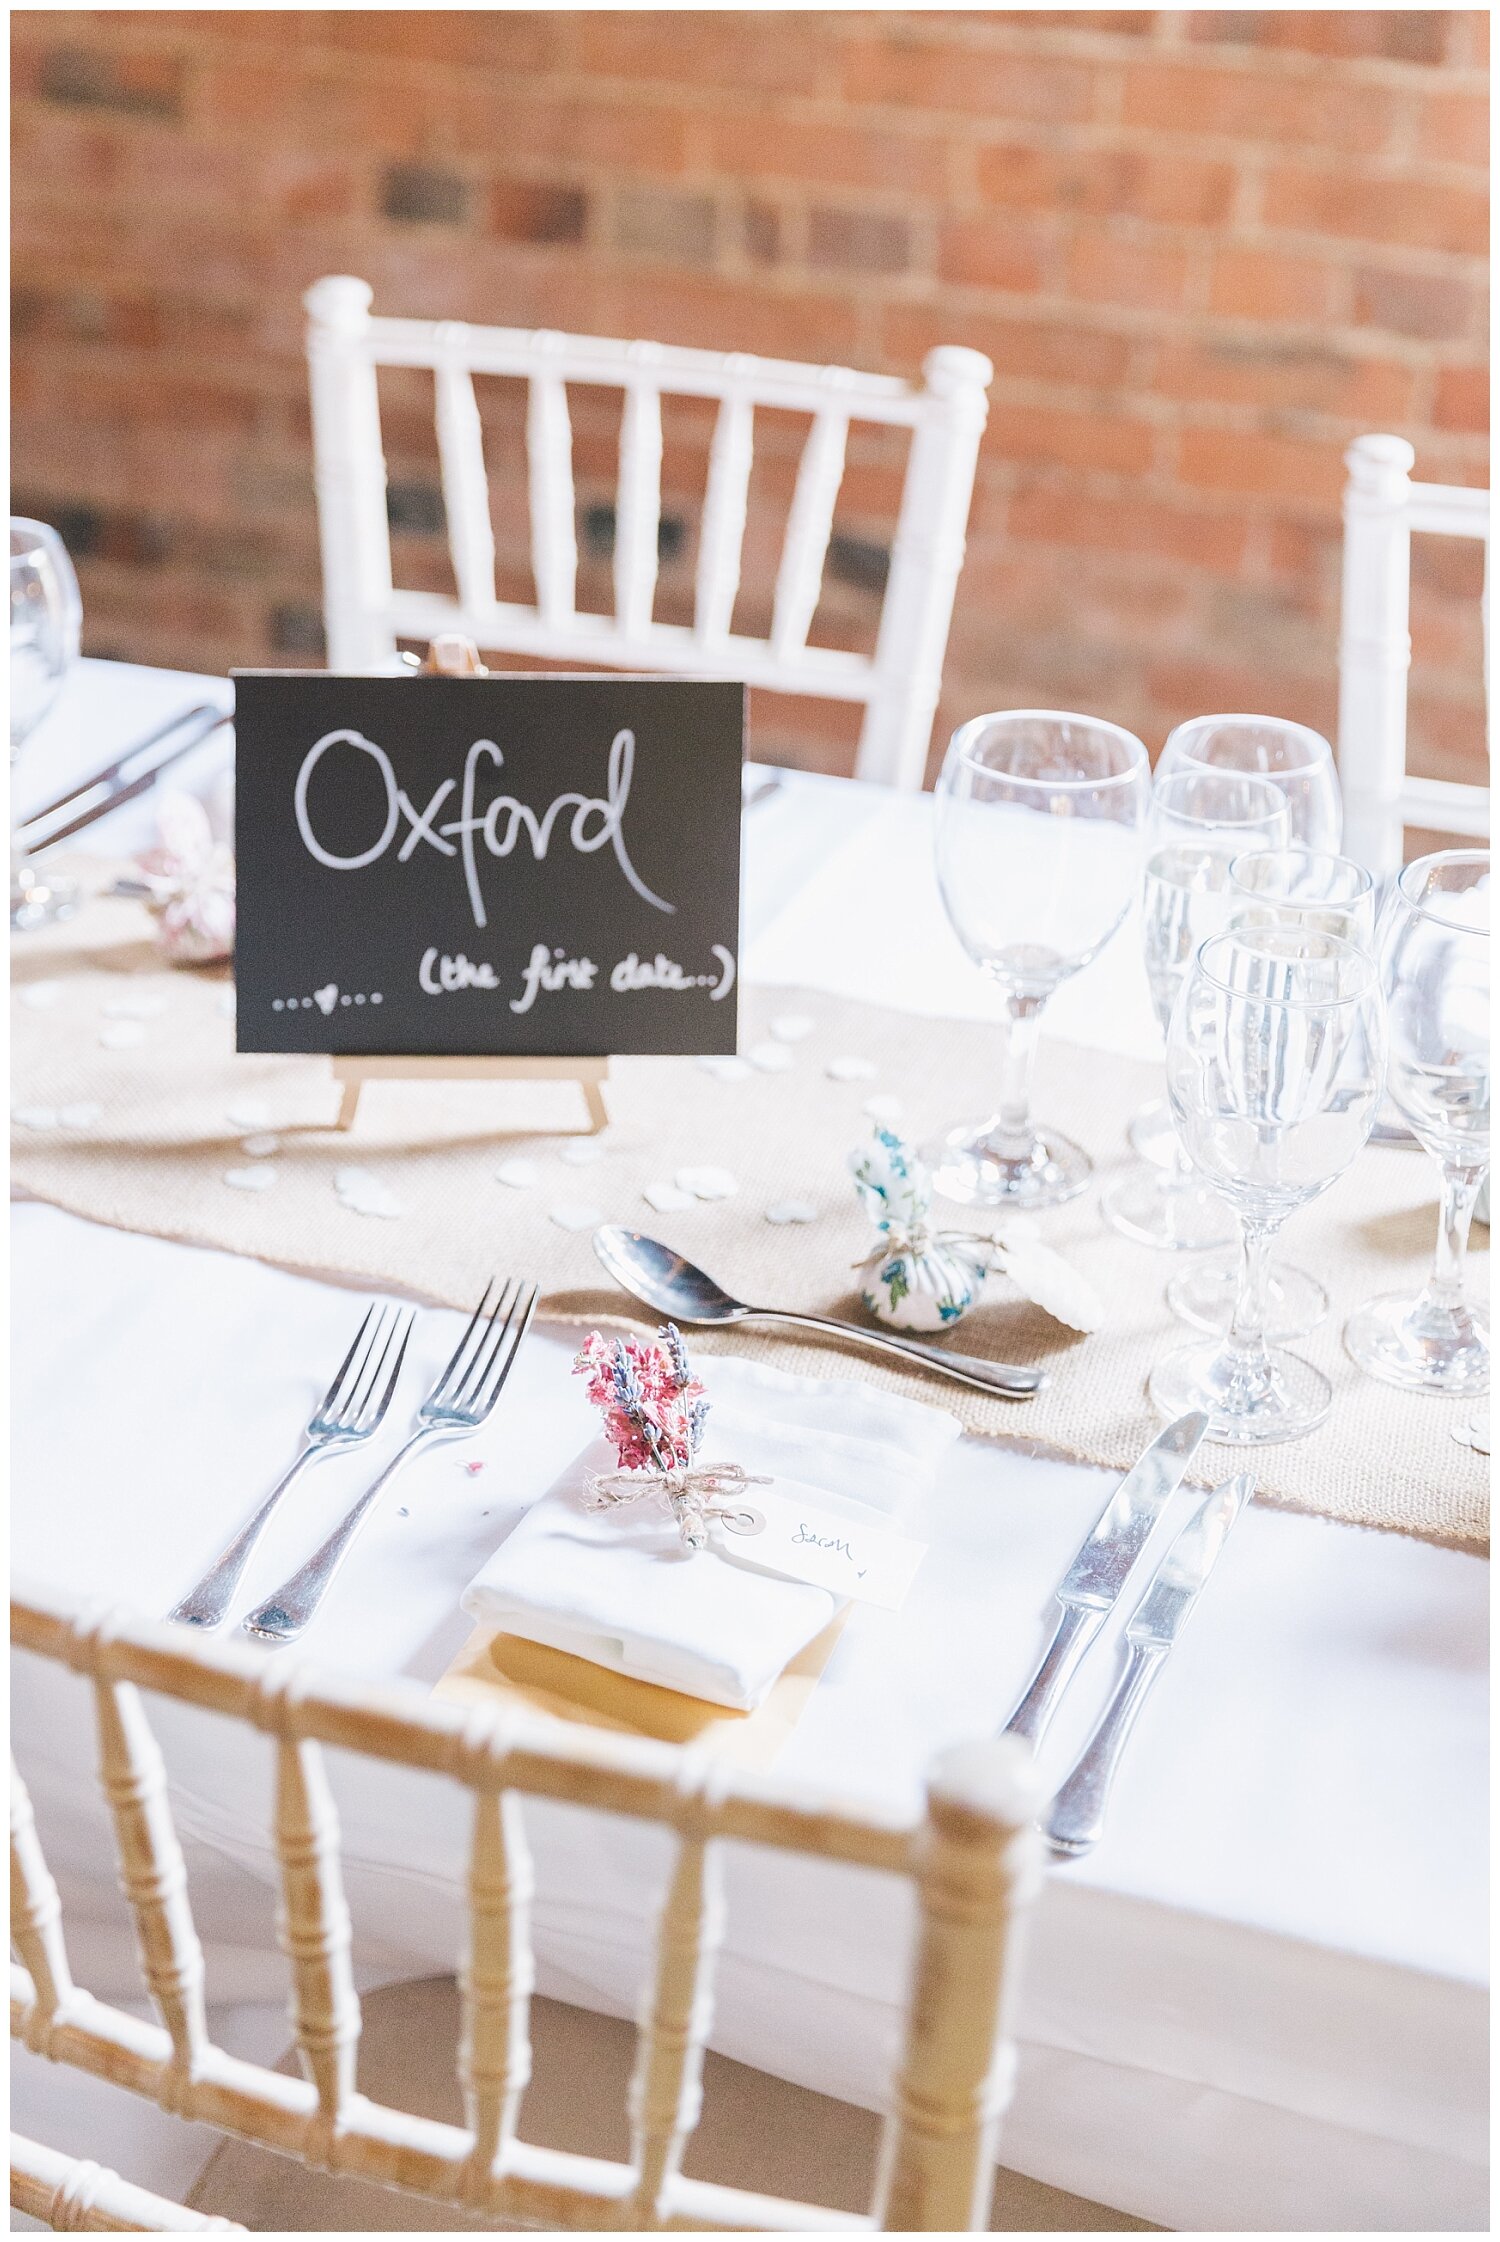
(1204, 250)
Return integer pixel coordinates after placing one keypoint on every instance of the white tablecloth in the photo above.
(1259, 2005)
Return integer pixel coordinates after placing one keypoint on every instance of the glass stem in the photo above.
(1445, 1287)
(1245, 1348)
(1023, 1020)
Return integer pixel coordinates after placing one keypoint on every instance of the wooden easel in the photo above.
(452, 655)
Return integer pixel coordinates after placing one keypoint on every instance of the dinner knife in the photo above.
(1077, 1814)
(1100, 1569)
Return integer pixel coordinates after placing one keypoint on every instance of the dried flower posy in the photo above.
(654, 1410)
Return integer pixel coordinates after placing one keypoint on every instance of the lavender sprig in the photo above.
(671, 1339)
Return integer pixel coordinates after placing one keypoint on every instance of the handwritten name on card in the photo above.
(853, 1552)
(515, 864)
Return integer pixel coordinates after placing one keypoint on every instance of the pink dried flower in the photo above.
(653, 1408)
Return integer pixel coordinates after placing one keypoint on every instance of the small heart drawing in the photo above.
(326, 998)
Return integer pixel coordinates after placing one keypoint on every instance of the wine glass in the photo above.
(46, 618)
(1435, 965)
(1201, 822)
(1275, 1066)
(1297, 761)
(1038, 819)
(1324, 894)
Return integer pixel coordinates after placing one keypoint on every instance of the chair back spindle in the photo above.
(365, 614)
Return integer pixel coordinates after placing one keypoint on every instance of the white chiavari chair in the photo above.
(972, 1857)
(1382, 508)
(365, 613)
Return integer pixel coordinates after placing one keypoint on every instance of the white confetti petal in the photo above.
(363, 1193)
(883, 1108)
(667, 1198)
(771, 1058)
(517, 1175)
(34, 1116)
(249, 1179)
(248, 1113)
(136, 1007)
(1054, 1284)
(725, 1066)
(851, 1070)
(575, 1214)
(122, 1035)
(83, 1115)
(792, 1027)
(581, 1152)
(38, 995)
(261, 1147)
(706, 1183)
(792, 1210)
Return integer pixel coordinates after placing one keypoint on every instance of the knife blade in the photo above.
(1100, 1569)
(1077, 1813)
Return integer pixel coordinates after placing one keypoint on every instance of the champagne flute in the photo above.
(1275, 1067)
(1323, 894)
(1299, 763)
(1435, 964)
(1201, 822)
(45, 622)
(1038, 819)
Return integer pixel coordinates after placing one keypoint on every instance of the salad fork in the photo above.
(349, 1412)
(459, 1403)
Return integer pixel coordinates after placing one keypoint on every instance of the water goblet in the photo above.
(1435, 966)
(1324, 894)
(1299, 763)
(45, 622)
(1038, 819)
(1275, 1067)
(1201, 823)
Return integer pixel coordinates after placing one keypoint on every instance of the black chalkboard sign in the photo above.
(460, 866)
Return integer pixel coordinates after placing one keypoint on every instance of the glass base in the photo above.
(38, 896)
(1417, 1344)
(1153, 1134)
(979, 1167)
(1156, 1207)
(1205, 1295)
(1287, 1399)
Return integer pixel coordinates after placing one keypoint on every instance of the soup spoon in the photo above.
(675, 1288)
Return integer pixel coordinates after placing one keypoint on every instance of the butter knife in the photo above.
(1101, 1567)
(1077, 1814)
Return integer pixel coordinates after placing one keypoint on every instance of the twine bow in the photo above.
(690, 1491)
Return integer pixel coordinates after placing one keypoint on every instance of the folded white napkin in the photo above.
(616, 1586)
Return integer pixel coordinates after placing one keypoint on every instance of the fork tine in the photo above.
(453, 1360)
(366, 1371)
(385, 1399)
(376, 1367)
(526, 1300)
(467, 1386)
(330, 1398)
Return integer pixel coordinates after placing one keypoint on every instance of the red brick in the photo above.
(529, 210)
(1110, 268)
(1325, 111)
(1271, 284)
(1286, 374)
(1395, 34)
(1455, 128)
(1082, 439)
(712, 49)
(1432, 306)
(907, 68)
(991, 253)
(830, 155)
(1420, 213)
(857, 241)
(1463, 399)
(1044, 513)
(1260, 466)
(1102, 182)
(1059, 351)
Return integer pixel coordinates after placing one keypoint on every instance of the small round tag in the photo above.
(745, 1521)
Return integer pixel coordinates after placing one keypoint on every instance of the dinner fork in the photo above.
(463, 1397)
(349, 1412)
